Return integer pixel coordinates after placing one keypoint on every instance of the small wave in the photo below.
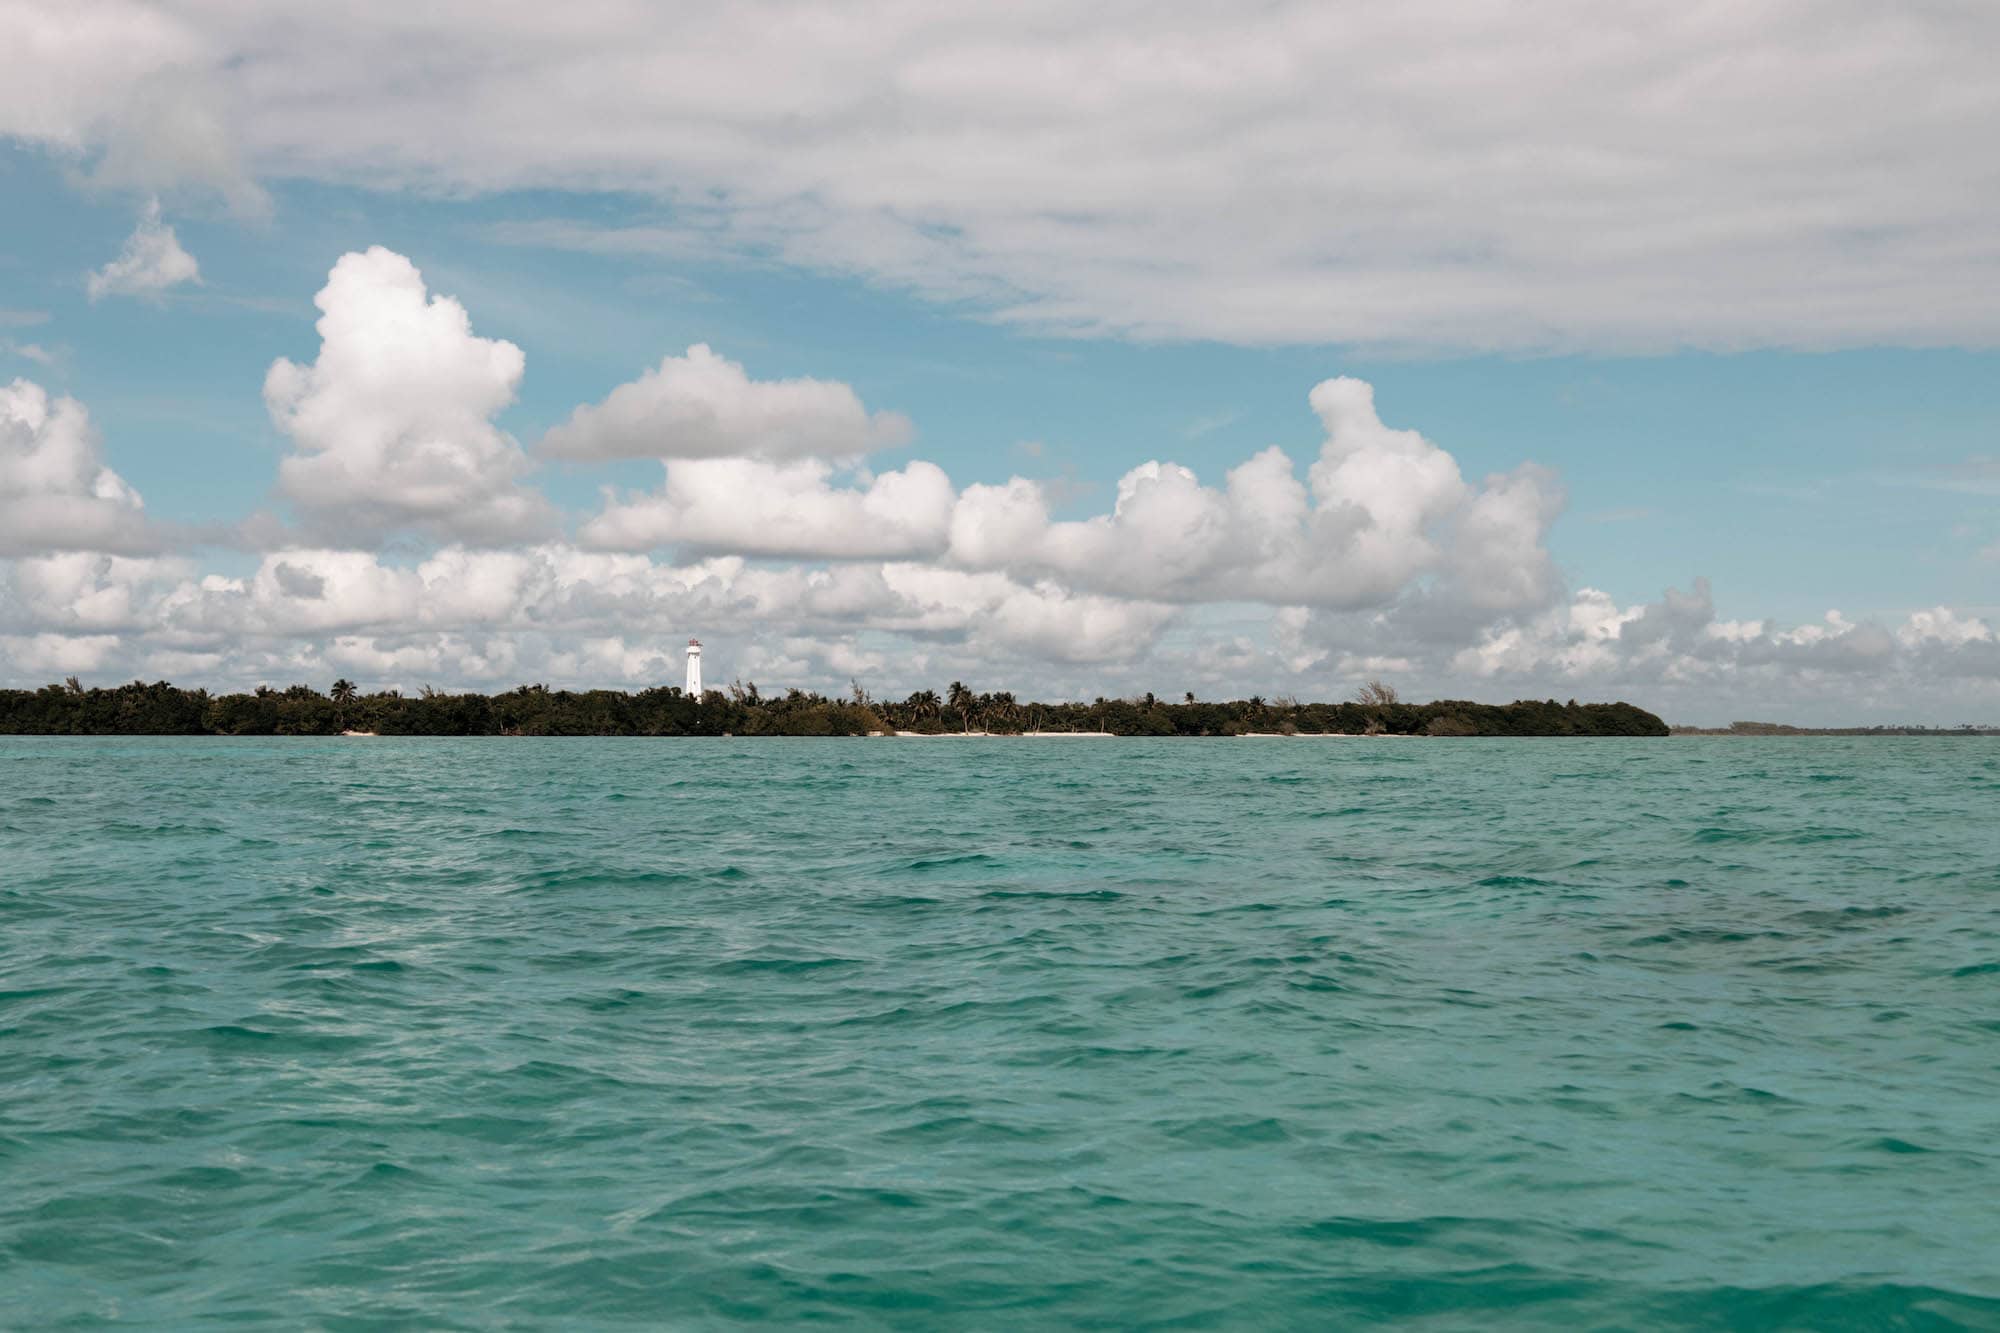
(1898, 1146)
(782, 965)
(927, 863)
(1846, 918)
(895, 902)
(242, 1037)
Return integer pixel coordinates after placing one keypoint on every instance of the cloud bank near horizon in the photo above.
(1435, 175)
(419, 550)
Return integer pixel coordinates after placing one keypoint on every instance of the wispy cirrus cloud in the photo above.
(34, 352)
(1977, 475)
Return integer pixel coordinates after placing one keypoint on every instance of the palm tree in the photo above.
(960, 699)
(343, 695)
(922, 704)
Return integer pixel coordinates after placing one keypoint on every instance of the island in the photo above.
(162, 709)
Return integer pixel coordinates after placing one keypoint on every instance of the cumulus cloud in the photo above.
(89, 592)
(393, 422)
(1379, 509)
(55, 491)
(481, 616)
(1376, 557)
(702, 405)
(752, 507)
(1944, 626)
(59, 654)
(1434, 174)
(489, 618)
(151, 262)
(1679, 652)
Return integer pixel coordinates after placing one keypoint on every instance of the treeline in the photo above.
(536, 710)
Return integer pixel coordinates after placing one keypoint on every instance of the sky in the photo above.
(1493, 351)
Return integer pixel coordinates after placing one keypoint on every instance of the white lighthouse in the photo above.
(694, 669)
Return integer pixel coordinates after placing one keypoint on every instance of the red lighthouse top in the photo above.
(694, 643)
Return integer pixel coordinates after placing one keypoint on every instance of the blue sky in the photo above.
(1789, 402)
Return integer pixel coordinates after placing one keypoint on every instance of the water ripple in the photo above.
(472, 1034)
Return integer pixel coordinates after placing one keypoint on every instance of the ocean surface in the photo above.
(1000, 1033)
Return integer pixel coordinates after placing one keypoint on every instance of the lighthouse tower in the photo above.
(694, 668)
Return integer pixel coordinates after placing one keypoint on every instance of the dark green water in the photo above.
(999, 1033)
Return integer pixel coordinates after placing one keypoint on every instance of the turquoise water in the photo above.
(1003, 1033)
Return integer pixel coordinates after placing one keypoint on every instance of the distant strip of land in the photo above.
(161, 709)
(1786, 729)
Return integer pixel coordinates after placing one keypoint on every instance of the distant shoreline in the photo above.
(1683, 734)
(160, 708)
(1762, 731)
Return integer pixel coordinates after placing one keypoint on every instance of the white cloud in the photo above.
(1496, 558)
(1437, 174)
(489, 618)
(751, 507)
(88, 591)
(1678, 655)
(702, 405)
(1945, 626)
(1380, 509)
(480, 616)
(151, 263)
(55, 491)
(58, 654)
(1043, 620)
(67, 63)
(131, 83)
(1378, 558)
(170, 132)
(393, 421)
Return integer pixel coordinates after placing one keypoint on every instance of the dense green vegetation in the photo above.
(536, 710)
